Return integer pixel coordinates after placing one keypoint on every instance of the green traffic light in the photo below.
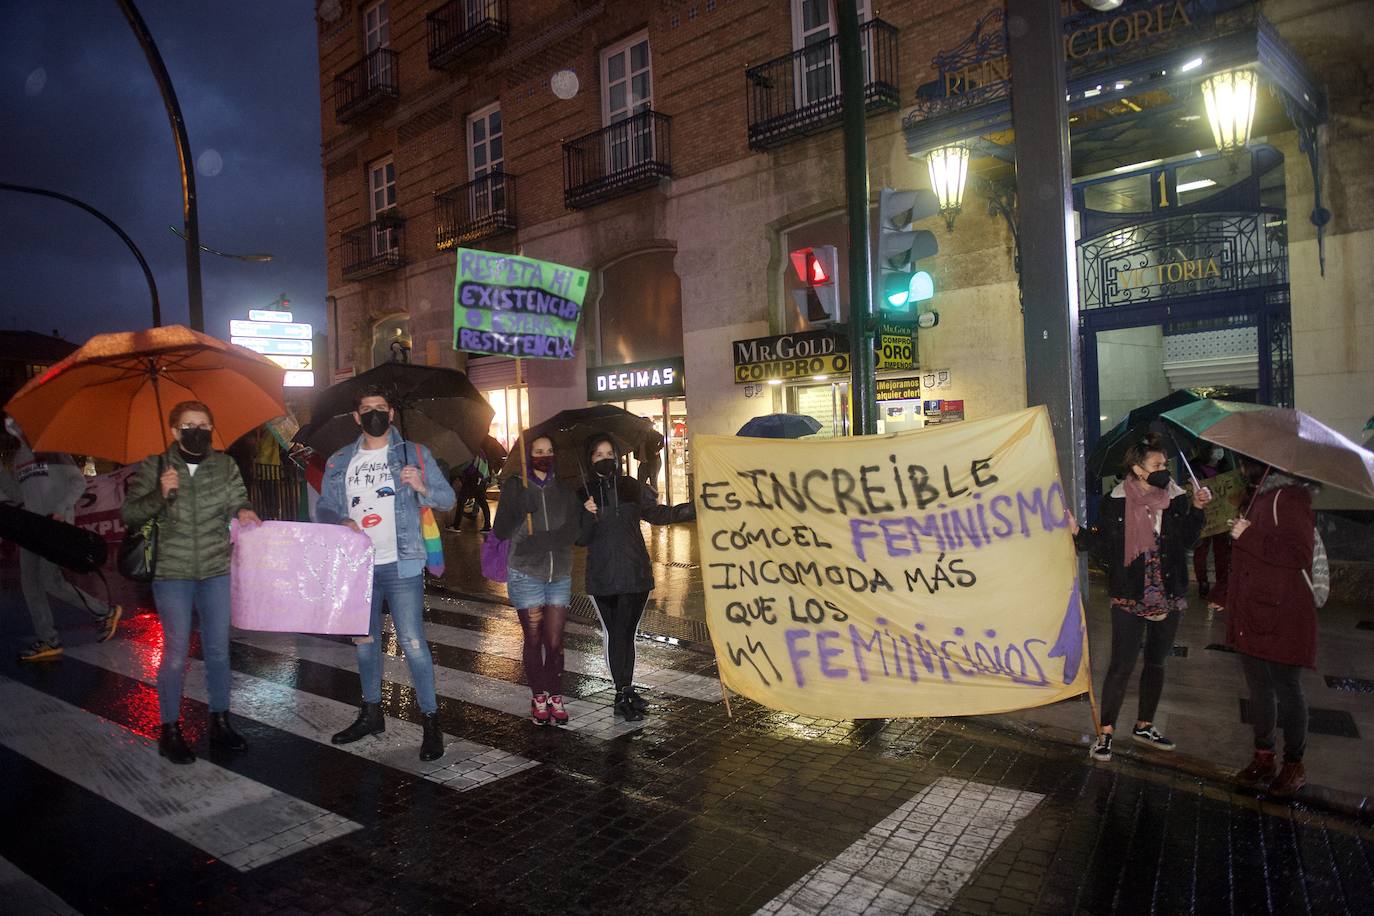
(922, 287)
(897, 290)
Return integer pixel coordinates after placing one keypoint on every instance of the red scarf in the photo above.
(1143, 505)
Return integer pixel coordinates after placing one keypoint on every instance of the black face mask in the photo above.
(542, 463)
(195, 440)
(1158, 479)
(605, 467)
(375, 422)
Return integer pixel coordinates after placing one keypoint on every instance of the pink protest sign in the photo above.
(298, 577)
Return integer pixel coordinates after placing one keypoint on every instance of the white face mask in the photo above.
(12, 427)
(1217, 455)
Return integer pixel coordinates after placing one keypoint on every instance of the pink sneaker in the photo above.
(539, 709)
(560, 715)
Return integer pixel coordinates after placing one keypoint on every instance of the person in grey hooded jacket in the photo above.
(50, 484)
(619, 574)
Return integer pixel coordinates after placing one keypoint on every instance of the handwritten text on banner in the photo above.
(915, 574)
(514, 306)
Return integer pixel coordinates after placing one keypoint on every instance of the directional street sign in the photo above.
(267, 315)
(273, 347)
(299, 380)
(294, 363)
(288, 330)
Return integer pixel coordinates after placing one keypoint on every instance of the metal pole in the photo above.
(861, 362)
(188, 173)
(124, 236)
(1049, 274)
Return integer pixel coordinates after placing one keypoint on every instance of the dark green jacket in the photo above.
(193, 540)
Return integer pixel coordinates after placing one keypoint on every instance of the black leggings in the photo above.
(1276, 699)
(543, 649)
(619, 620)
(1127, 631)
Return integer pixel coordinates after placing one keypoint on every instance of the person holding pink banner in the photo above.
(193, 491)
(377, 485)
(540, 517)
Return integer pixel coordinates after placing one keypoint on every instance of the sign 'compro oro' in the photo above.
(786, 356)
(914, 574)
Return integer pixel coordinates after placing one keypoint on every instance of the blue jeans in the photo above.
(175, 599)
(532, 591)
(405, 599)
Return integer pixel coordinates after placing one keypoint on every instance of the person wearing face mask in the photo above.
(539, 516)
(1271, 619)
(195, 491)
(619, 574)
(377, 485)
(1146, 529)
(50, 484)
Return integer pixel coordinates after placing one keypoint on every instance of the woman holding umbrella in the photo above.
(538, 514)
(195, 490)
(1271, 619)
(619, 574)
(1148, 526)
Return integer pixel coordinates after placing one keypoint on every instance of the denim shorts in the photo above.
(532, 591)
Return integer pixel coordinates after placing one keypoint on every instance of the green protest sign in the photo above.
(513, 306)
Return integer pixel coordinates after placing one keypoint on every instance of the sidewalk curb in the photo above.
(1335, 801)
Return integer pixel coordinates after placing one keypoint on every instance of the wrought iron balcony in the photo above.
(374, 248)
(476, 210)
(799, 94)
(459, 26)
(616, 160)
(371, 82)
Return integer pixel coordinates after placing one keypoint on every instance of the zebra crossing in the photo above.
(243, 813)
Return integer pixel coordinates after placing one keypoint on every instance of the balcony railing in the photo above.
(459, 26)
(374, 248)
(371, 82)
(476, 210)
(799, 94)
(616, 160)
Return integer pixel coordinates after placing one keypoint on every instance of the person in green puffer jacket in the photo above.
(194, 491)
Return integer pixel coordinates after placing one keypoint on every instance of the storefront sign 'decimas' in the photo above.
(785, 356)
(513, 306)
(659, 378)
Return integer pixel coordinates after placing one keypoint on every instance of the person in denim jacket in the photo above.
(377, 485)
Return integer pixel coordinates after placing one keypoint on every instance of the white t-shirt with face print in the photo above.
(372, 501)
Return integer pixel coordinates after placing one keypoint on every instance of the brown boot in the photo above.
(1290, 779)
(1261, 770)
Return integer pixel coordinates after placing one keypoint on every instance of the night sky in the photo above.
(80, 113)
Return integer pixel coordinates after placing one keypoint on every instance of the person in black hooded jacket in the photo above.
(619, 574)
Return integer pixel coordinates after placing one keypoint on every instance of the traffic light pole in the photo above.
(1049, 275)
(862, 396)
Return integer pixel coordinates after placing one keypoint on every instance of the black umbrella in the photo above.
(570, 430)
(438, 407)
(1110, 450)
(780, 426)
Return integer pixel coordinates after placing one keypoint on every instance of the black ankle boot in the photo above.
(625, 706)
(222, 734)
(171, 745)
(640, 704)
(370, 721)
(432, 744)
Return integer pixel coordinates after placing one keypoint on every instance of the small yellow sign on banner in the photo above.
(915, 574)
(1228, 492)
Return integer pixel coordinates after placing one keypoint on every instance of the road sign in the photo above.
(299, 380)
(267, 315)
(288, 330)
(272, 347)
(294, 363)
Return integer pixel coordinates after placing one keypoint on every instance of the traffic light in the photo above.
(819, 299)
(903, 284)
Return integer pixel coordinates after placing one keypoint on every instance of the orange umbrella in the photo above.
(110, 398)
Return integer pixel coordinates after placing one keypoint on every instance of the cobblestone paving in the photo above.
(695, 812)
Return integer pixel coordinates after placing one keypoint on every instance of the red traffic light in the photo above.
(814, 266)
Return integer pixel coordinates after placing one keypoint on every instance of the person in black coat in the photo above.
(1146, 531)
(619, 574)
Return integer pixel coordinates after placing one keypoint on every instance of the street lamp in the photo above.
(948, 172)
(1230, 98)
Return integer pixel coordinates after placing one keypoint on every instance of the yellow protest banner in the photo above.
(914, 574)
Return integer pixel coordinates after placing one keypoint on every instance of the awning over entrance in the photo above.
(1133, 79)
